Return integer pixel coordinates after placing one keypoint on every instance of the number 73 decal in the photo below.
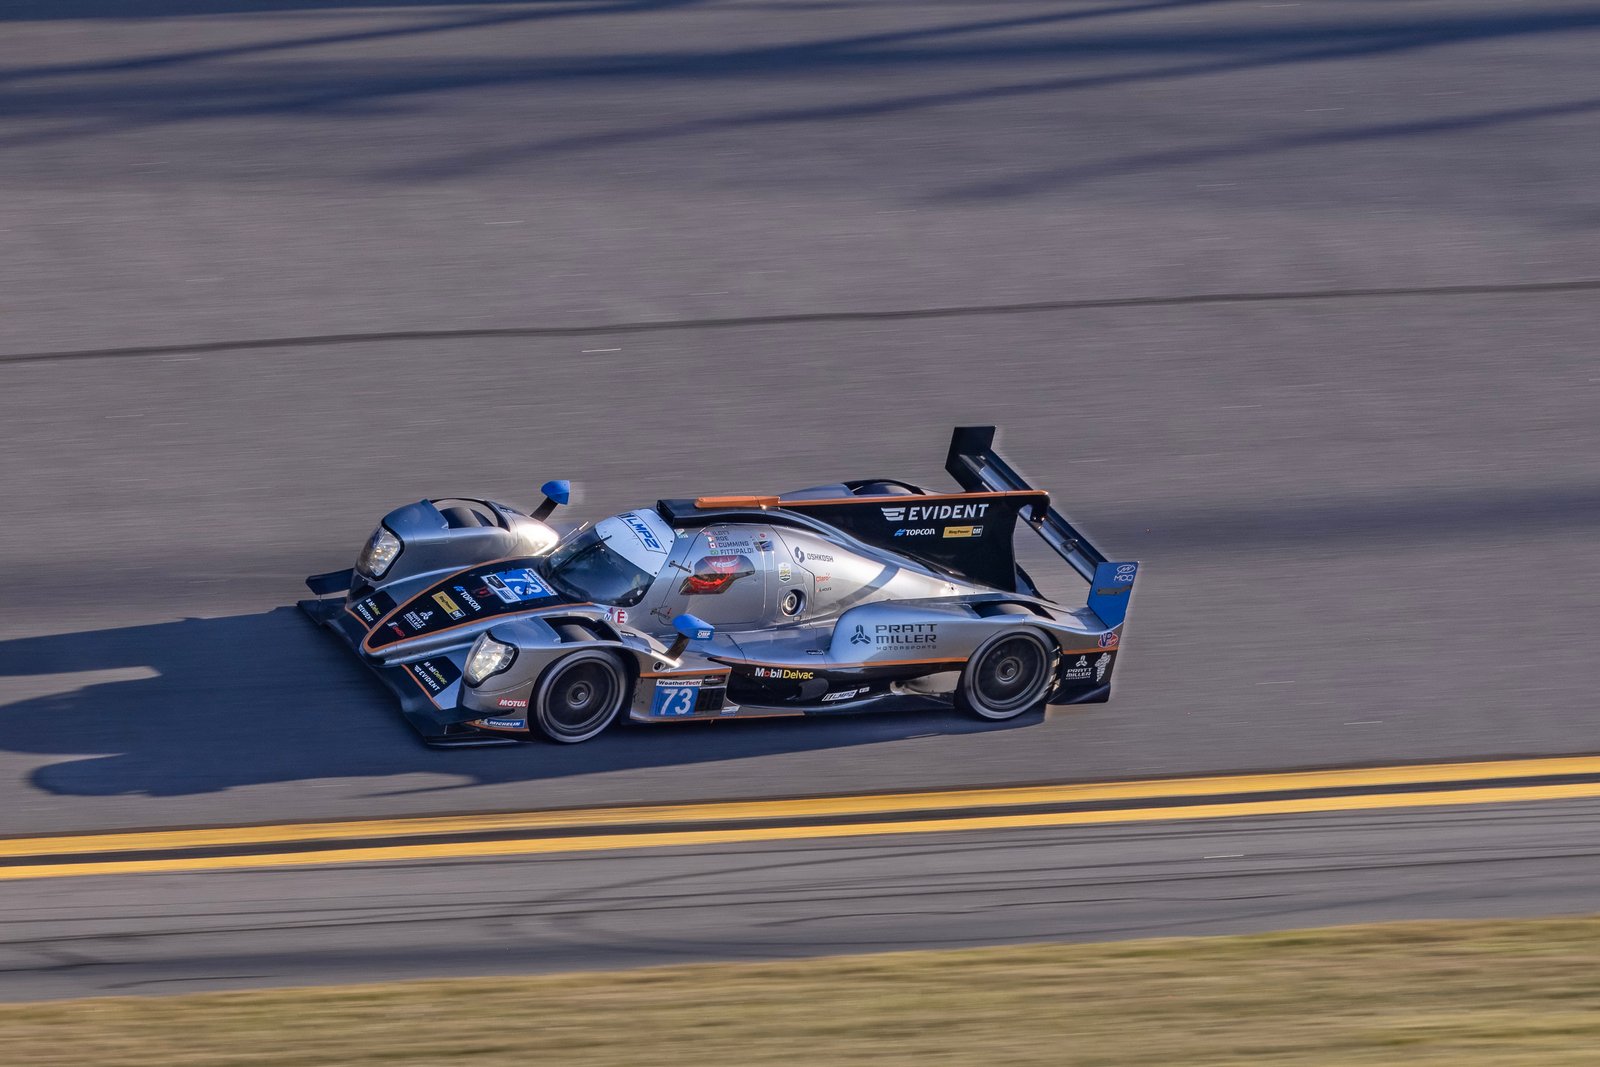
(674, 699)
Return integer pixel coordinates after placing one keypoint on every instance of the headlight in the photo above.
(488, 657)
(383, 548)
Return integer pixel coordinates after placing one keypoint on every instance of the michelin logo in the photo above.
(935, 512)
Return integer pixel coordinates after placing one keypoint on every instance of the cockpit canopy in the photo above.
(614, 561)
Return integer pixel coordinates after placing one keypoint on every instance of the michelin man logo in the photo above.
(1100, 666)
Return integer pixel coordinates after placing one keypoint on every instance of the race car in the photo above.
(493, 626)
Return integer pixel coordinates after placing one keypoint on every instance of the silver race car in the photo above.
(491, 626)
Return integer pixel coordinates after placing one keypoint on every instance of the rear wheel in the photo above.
(580, 696)
(1009, 674)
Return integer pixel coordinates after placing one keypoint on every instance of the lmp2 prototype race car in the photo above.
(491, 626)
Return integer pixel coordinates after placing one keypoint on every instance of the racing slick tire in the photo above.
(1009, 674)
(579, 696)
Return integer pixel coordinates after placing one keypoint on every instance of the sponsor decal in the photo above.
(1101, 665)
(516, 587)
(468, 599)
(935, 512)
(1109, 640)
(417, 619)
(435, 675)
(674, 698)
(373, 608)
(801, 556)
(900, 634)
(618, 615)
(963, 531)
(785, 673)
(926, 531)
(1113, 591)
(396, 628)
(508, 702)
(1125, 572)
(1079, 671)
(785, 572)
(642, 531)
(505, 724)
(843, 694)
(714, 574)
(451, 608)
(897, 634)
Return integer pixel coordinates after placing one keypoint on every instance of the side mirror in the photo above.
(556, 493)
(689, 629)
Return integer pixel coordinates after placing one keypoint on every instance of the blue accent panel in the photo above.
(559, 491)
(1110, 590)
(674, 700)
(692, 628)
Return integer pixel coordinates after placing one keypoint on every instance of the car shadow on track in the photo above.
(205, 705)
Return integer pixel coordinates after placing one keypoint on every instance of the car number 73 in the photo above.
(673, 700)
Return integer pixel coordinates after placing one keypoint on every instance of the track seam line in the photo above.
(802, 318)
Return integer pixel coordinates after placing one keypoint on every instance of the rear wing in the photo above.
(978, 468)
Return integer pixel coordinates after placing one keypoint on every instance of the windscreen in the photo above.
(614, 561)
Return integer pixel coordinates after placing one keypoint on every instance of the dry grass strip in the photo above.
(1424, 994)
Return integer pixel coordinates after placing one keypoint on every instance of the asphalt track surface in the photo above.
(148, 934)
(672, 247)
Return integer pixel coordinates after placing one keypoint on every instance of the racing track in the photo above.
(668, 246)
(613, 908)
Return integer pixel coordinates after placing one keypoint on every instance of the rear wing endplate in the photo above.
(977, 467)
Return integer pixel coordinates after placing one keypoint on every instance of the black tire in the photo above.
(579, 696)
(1008, 675)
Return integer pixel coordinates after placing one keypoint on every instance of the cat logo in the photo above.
(450, 607)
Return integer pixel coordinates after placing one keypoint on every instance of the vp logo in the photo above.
(860, 637)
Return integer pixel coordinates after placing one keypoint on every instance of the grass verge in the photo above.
(1442, 993)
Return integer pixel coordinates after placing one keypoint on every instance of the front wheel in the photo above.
(1008, 674)
(579, 696)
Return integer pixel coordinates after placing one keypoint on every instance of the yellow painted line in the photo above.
(725, 811)
(668, 838)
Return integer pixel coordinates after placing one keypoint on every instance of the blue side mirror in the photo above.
(692, 628)
(556, 493)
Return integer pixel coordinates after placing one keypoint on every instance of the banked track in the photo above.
(500, 834)
(1581, 285)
